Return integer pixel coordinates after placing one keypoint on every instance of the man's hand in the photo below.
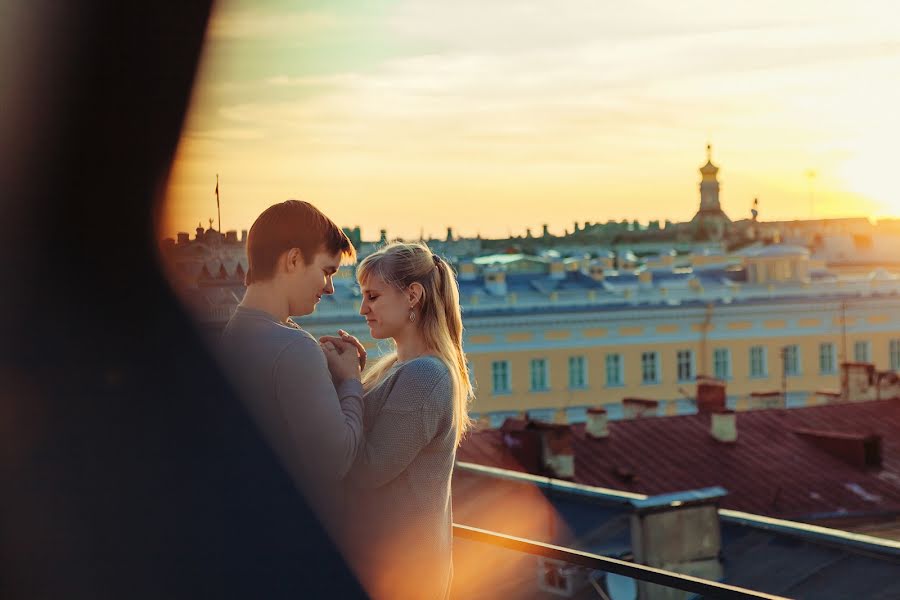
(343, 363)
(346, 339)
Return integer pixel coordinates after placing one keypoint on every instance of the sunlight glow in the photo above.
(424, 114)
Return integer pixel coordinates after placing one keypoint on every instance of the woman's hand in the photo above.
(346, 338)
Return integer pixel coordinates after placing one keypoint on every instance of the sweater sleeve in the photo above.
(326, 425)
(412, 415)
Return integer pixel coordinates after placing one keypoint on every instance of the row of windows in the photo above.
(651, 370)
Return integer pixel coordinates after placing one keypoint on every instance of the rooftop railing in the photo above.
(639, 573)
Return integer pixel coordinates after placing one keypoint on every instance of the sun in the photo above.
(869, 171)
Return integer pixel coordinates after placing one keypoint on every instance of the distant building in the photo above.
(549, 333)
(207, 272)
(710, 222)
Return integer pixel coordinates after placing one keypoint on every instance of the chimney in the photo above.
(449, 234)
(723, 425)
(858, 381)
(677, 532)
(231, 237)
(635, 408)
(888, 385)
(710, 394)
(597, 422)
(382, 239)
(524, 443)
(183, 238)
(243, 236)
(546, 232)
(558, 452)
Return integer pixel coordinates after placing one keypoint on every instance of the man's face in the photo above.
(307, 283)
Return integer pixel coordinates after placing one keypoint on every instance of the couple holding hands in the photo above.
(373, 448)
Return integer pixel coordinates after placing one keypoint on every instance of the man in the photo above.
(312, 417)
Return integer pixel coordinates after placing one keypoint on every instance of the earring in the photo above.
(412, 316)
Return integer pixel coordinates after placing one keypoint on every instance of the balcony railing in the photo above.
(637, 572)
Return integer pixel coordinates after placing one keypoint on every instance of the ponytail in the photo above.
(400, 265)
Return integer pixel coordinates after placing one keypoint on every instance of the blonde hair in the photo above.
(440, 318)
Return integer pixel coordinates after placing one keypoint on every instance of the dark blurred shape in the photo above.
(128, 469)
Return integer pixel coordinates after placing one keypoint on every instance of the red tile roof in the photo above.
(772, 469)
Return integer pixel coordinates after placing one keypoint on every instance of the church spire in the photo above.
(709, 185)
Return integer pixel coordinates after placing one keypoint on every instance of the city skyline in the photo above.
(414, 117)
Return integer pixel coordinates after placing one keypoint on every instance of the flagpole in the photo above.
(218, 207)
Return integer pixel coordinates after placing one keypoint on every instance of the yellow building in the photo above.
(542, 336)
(581, 358)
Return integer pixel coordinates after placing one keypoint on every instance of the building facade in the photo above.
(767, 319)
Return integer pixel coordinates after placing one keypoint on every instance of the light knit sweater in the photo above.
(398, 490)
(283, 376)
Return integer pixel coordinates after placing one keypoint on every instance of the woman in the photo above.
(416, 411)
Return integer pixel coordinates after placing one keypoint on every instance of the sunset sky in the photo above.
(490, 117)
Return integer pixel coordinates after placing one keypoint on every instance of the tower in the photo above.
(709, 184)
(710, 222)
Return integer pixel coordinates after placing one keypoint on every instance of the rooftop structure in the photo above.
(683, 530)
(833, 463)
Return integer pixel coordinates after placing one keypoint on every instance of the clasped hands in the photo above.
(345, 355)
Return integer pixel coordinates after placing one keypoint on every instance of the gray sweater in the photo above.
(283, 376)
(399, 486)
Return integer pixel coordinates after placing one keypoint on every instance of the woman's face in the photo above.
(385, 308)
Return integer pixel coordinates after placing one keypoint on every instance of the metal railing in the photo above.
(686, 583)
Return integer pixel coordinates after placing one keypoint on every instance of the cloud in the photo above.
(510, 100)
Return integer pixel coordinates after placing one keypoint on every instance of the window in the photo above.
(539, 378)
(827, 363)
(791, 359)
(861, 352)
(722, 363)
(758, 366)
(650, 367)
(685, 365)
(577, 372)
(500, 376)
(614, 376)
(895, 355)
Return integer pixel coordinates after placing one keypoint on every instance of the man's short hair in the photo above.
(291, 224)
